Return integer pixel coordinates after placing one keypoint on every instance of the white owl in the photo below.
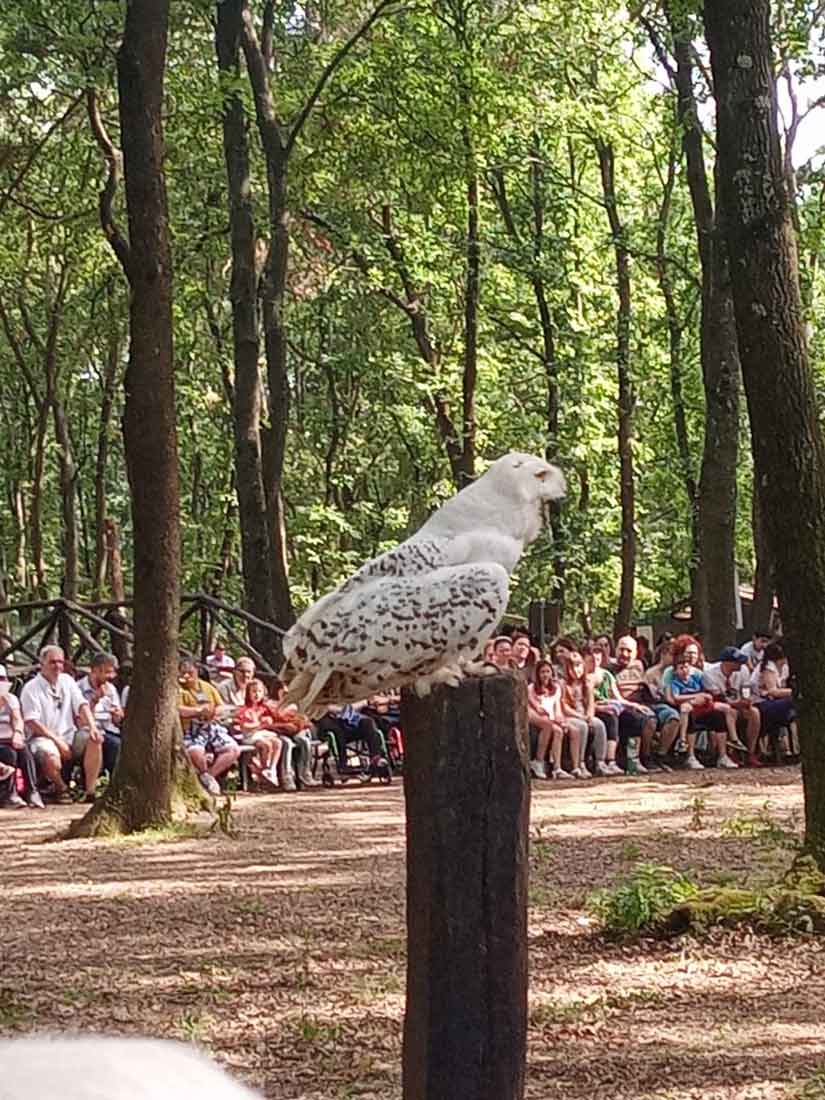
(418, 614)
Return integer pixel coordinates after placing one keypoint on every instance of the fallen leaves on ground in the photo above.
(282, 951)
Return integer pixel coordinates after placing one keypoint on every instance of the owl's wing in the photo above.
(389, 630)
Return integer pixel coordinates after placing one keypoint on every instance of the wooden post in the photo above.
(467, 791)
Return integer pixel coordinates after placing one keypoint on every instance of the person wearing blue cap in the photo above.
(728, 680)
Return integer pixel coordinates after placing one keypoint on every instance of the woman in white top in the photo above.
(772, 696)
(544, 712)
(14, 752)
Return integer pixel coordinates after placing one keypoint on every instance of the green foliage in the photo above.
(641, 900)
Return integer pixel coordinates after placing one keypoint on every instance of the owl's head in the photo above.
(526, 477)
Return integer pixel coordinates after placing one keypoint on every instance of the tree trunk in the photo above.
(627, 398)
(763, 583)
(68, 500)
(788, 446)
(36, 503)
(276, 149)
(102, 457)
(472, 291)
(713, 596)
(140, 794)
(256, 548)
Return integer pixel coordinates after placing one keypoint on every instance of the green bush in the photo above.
(642, 899)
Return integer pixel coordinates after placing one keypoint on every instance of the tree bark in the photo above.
(68, 500)
(626, 395)
(788, 446)
(713, 596)
(763, 583)
(467, 792)
(247, 395)
(102, 457)
(140, 794)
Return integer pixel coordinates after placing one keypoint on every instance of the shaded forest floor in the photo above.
(282, 950)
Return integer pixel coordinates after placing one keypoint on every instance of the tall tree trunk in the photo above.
(68, 500)
(247, 396)
(140, 794)
(788, 445)
(472, 291)
(627, 398)
(102, 456)
(674, 332)
(763, 582)
(21, 570)
(36, 502)
(714, 596)
(276, 146)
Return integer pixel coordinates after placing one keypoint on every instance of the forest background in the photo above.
(468, 226)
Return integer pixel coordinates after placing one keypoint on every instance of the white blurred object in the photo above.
(98, 1067)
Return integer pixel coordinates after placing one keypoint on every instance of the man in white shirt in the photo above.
(728, 680)
(220, 664)
(233, 690)
(100, 693)
(52, 704)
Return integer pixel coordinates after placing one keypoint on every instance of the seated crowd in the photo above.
(593, 707)
(61, 726)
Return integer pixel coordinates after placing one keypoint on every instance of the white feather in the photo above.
(418, 613)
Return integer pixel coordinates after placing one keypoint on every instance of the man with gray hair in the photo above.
(60, 725)
(100, 693)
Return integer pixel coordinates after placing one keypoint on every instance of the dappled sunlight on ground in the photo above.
(282, 949)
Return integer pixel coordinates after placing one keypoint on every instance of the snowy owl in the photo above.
(418, 614)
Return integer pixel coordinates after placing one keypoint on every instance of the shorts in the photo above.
(664, 713)
(260, 736)
(209, 736)
(41, 747)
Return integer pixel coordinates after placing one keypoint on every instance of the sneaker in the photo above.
(602, 768)
(209, 783)
(680, 746)
(15, 802)
(661, 762)
(754, 761)
(308, 779)
(735, 744)
(650, 763)
(538, 769)
(613, 768)
(581, 772)
(725, 761)
(270, 777)
(693, 765)
(560, 773)
(288, 782)
(641, 769)
(36, 801)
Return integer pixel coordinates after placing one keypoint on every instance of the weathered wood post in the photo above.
(467, 791)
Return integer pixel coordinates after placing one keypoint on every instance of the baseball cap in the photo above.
(733, 655)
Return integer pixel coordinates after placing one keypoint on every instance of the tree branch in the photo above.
(330, 68)
(21, 175)
(114, 161)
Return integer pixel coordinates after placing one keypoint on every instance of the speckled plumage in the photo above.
(419, 613)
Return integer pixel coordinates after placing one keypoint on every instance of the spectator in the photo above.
(728, 680)
(643, 651)
(773, 696)
(348, 724)
(295, 731)
(233, 689)
(697, 711)
(524, 657)
(14, 752)
(502, 653)
(688, 646)
(560, 650)
(637, 719)
(99, 691)
(609, 703)
(219, 663)
(202, 736)
(544, 713)
(605, 643)
(754, 649)
(578, 706)
(52, 704)
(254, 721)
(667, 717)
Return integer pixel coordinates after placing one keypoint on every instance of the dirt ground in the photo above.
(281, 951)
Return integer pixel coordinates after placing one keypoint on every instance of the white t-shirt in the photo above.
(55, 706)
(9, 707)
(231, 694)
(729, 689)
(102, 709)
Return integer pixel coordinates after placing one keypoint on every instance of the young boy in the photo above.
(686, 692)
